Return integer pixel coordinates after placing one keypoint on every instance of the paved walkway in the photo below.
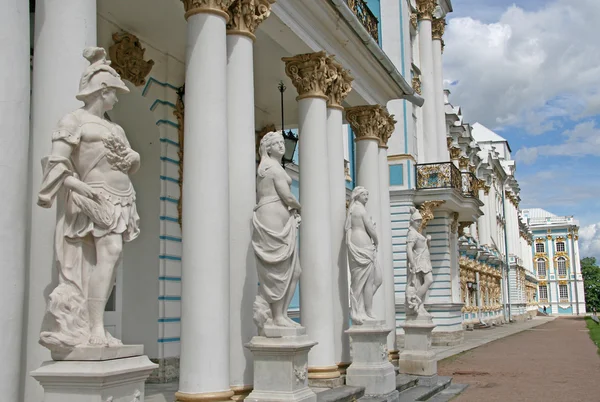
(556, 361)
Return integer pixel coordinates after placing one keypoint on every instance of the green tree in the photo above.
(591, 283)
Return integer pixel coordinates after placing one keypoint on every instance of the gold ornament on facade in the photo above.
(472, 168)
(367, 121)
(309, 73)
(570, 236)
(340, 84)
(449, 141)
(426, 210)
(416, 84)
(246, 15)
(127, 58)
(387, 128)
(463, 162)
(486, 189)
(413, 20)
(454, 224)
(179, 113)
(549, 237)
(425, 9)
(461, 228)
(454, 153)
(438, 26)
(219, 7)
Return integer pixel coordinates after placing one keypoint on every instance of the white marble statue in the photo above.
(419, 273)
(276, 220)
(87, 172)
(362, 242)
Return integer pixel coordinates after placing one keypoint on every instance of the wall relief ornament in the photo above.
(340, 83)
(127, 58)
(463, 162)
(413, 20)
(438, 25)
(454, 153)
(416, 84)
(246, 15)
(387, 129)
(179, 113)
(309, 73)
(426, 210)
(454, 225)
(219, 7)
(425, 9)
(301, 373)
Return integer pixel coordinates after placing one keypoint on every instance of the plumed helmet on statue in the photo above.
(415, 215)
(99, 74)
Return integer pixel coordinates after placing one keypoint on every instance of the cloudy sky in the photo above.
(530, 70)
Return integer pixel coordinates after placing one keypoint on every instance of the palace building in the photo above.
(358, 85)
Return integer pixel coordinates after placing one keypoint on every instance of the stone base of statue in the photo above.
(418, 358)
(96, 374)
(281, 366)
(370, 366)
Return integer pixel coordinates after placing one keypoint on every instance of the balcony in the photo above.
(469, 185)
(438, 175)
(365, 16)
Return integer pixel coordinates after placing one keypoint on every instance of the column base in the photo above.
(281, 367)
(325, 377)
(240, 393)
(118, 380)
(417, 357)
(370, 366)
(223, 396)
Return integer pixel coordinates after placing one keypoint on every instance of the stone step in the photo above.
(423, 393)
(449, 393)
(405, 381)
(344, 393)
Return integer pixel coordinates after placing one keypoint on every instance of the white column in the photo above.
(385, 243)
(58, 65)
(204, 361)
(438, 82)
(242, 194)
(364, 121)
(430, 145)
(14, 145)
(316, 280)
(337, 194)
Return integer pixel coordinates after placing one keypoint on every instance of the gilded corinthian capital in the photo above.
(340, 85)
(219, 7)
(437, 28)
(387, 128)
(370, 122)
(246, 15)
(425, 9)
(310, 73)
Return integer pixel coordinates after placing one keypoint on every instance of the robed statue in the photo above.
(419, 271)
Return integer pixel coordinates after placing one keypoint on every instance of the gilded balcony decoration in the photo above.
(365, 16)
(179, 113)
(470, 185)
(438, 175)
(127, 58)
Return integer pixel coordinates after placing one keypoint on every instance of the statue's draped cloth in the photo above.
(363, 265)
(277, 257)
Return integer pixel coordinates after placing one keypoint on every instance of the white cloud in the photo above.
(583, 139)
(589, 241)
(527, 68)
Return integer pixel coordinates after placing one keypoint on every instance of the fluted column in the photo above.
(365, 122)
(425, 10)
(337, 91)
(57, 66)
(311, 76)
(438, 26)
(204, 361)
(244, 18)
(385, 242)
(14, 123)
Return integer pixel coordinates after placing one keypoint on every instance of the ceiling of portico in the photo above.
(160, 24)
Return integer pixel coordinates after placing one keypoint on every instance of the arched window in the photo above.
(561, 264)
(541, 267)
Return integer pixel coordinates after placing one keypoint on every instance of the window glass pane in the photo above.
(543, 292)
(563, 291)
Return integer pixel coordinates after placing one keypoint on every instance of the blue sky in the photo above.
(530, 70)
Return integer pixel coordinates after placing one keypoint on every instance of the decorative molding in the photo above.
(340, 84)
(463, 162)
(413, 20)
(127, 58)
(218, 7)
(246, 15)
(310, 73)
(301, 373)
(449, 141)
(416, 84)
(387, 126)
(454, 153)
(425, 9)
(369, 122)
(179, 113)
(401, 157)
(454, 224)
(438, 25)
(426, 210)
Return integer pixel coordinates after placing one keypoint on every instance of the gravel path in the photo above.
(556, 361)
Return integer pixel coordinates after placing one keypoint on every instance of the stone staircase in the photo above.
(409, 388)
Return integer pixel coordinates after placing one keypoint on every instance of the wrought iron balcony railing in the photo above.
(365, 16)
(469, 185)
(438, 175)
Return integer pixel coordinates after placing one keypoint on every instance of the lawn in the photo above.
(594, 331)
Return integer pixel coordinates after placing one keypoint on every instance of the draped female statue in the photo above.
(362, 242)
(419, 273)
(276, 220)
(87, 172)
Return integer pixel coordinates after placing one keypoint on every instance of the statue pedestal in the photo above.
(116, 380)
(417, 358)
(281, 366)
(370, 366)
